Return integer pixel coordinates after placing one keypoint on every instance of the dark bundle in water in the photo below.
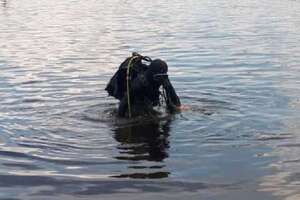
(137, 85)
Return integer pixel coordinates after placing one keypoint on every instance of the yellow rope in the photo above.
(127, 83)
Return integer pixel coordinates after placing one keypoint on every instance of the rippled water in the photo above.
(234, 63)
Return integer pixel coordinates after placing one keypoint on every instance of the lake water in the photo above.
(234, 63)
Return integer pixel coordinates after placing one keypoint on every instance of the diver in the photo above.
(141, 84)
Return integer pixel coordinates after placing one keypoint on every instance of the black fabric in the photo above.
(144, 88)
(172, 99)
(116, 87)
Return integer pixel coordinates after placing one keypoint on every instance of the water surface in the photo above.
(235, 63)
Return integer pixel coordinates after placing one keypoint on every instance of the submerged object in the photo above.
(137, 85)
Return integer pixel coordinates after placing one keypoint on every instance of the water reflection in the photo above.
(285, 182)
(4, 3)
(57, 56)
(146, 142)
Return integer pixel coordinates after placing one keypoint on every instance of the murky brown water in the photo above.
(235, 63)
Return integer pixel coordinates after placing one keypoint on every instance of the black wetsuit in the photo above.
(145, 81)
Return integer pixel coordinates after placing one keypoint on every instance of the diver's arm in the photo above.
(173, 101)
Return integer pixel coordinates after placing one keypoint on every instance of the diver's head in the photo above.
(158, 66)
(157, 71)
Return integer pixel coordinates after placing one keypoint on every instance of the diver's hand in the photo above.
(179, 108)
(182, 108)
